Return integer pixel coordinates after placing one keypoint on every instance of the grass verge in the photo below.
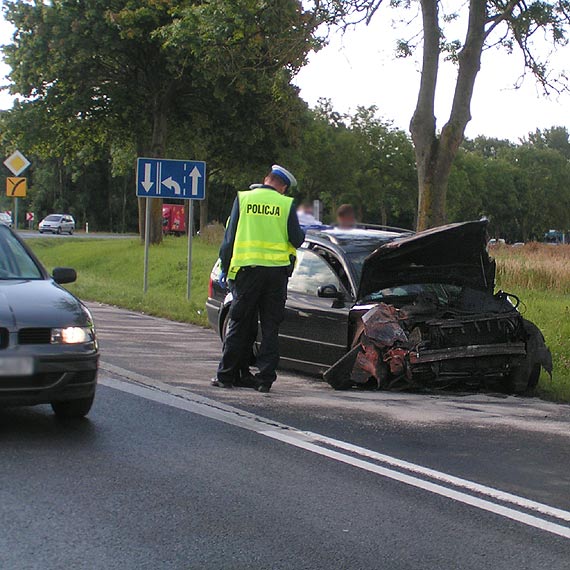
(110, 271)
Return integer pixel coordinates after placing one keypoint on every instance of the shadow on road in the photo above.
(38, 424)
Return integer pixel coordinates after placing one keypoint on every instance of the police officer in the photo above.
(257, 254)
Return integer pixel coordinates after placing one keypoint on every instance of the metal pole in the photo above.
(16, 213)
(146, 244)
(189, 230)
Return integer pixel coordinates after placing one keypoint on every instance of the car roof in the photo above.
(358, 238)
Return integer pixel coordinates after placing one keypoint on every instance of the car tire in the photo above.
(73, 409)
(224, 326)
(70, 232)
(223, 333)
(58, 231)
(524, 379)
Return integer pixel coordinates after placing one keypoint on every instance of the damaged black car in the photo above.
(396, 310)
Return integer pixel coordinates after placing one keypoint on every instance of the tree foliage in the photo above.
(101, 74)
(501, 24)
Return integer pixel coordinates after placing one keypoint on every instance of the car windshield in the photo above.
(357, 252)
(15, 262)
(53, 218)
(441, 293)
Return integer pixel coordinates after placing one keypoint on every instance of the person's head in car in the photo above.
(345, 217)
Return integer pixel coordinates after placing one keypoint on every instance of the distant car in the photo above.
(48, 347)
(57, 224)
(5, 219)
(388, 309)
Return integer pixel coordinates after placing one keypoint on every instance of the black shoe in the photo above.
(264, 388)
(220, 384)
(246, 381)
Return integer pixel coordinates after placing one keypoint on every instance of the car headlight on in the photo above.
(72, 335)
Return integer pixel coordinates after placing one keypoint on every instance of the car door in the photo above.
(314, 333)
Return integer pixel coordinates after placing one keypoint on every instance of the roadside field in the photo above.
(111, 272)
(539, 275)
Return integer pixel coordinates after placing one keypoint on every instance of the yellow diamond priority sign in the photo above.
(16, 163)
(16, 187)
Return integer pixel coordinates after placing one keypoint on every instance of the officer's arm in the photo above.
(296, 234)
(227, 247)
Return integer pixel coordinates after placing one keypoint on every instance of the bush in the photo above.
(212, 234)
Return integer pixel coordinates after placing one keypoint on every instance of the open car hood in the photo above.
(455, 253)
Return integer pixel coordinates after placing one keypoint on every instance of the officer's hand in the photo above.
(223, 280)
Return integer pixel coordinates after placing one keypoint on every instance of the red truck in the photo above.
(173, 219)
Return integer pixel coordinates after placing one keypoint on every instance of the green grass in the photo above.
(551, 313)
(111, 271)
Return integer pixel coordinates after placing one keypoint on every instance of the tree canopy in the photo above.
(123, 73)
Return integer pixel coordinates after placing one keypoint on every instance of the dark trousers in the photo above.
(256, 290)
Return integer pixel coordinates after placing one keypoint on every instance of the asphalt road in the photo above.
(146, 485)
(168, 472)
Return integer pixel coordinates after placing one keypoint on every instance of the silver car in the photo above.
(6, 219)
(58, 224)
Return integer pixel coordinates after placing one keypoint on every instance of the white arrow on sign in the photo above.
(172, 184)
(195, 175)
(147, 183)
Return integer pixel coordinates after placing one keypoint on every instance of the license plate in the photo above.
(16, 366)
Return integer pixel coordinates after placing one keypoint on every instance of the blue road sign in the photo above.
(161, 178)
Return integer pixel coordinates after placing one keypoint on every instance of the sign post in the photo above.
(179, 179)
(16, 187)
(190, 232)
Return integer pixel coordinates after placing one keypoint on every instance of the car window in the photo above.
(15, 263)
(310, 273)
(441, 293)
(53, 218)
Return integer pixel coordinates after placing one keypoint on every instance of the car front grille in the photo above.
(34, 336)
(35, 382)
(4, 338)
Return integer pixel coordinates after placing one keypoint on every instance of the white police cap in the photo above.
(284, 174)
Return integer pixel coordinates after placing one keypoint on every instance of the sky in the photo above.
(358, 67)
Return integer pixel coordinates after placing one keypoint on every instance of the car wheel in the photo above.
(224, 326)
(70, 232)
(224, 332)
(524, 378)
(59, 231)
(73, 409)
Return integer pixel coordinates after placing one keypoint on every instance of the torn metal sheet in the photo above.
(421, 345)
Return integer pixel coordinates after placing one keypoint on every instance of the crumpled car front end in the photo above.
(429, 318)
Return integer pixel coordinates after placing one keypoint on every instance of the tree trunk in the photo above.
(383, 213)
(204, 213)
(431, 200)
(158, 150)
(435, 155)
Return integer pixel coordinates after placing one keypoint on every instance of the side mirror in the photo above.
(63, 275)
(329, 292)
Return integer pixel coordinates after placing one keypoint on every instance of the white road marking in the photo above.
(183, 399)
(459, 496)
(446, 478)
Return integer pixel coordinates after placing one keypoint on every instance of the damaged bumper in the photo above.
(399, 350)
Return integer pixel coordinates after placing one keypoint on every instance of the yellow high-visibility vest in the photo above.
(261, 236)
